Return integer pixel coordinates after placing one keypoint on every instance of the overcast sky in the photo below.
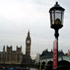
(19, 16)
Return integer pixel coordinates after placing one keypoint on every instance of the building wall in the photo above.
(11, 57)
(8, 56)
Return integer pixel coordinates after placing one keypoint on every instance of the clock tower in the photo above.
(28, 47)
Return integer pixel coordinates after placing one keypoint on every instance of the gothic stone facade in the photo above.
(8, 56)
(28, 48)
(11, 57)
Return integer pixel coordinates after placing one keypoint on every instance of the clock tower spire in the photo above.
(28, 47)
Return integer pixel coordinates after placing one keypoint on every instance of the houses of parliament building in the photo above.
(8, 56)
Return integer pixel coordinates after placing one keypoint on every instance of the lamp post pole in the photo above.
(56, 19)
(56, 37)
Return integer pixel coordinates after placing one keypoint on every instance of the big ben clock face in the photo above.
(28, 41)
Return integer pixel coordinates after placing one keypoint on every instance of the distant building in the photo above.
(49, 54)
(27, 57)
(68, 54)
(37, 59)
(9, 56)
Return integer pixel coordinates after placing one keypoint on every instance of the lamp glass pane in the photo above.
(62, 16)
(57, 17)
(52, 17)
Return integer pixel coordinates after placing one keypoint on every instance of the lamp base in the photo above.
(56, 26)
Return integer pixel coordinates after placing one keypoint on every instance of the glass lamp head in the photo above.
(56, 16)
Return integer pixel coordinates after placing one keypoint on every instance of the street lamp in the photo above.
(56, 20)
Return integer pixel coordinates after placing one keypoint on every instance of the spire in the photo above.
(4, 48)
(28, 33)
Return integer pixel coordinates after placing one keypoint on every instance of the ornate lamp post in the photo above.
(56, 20)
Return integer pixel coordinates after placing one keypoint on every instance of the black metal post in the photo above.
(56, 36)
